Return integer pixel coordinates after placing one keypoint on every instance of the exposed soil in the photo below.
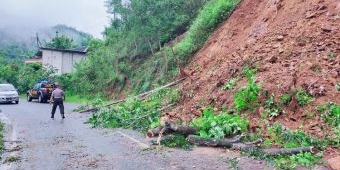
(293, 43)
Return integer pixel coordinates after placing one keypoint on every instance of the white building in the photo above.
(63, 61)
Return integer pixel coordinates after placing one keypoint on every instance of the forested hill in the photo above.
(147, 42)
(18, 43)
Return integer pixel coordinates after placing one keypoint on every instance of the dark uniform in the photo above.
(57, 97)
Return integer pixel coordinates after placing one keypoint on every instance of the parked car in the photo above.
(8, 94)
(41, 91)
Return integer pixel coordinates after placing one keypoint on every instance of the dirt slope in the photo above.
(293, 43)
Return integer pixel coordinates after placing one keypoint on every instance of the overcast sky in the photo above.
(85, 15)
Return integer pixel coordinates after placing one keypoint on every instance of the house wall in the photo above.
(62, 61)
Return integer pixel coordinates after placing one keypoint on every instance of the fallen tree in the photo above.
(236, 144)
(233, 143)
(141, 96)
(170, 127)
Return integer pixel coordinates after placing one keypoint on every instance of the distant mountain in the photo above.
(79, 38)
(19, 43)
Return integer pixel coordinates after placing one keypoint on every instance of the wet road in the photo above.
(42, 143)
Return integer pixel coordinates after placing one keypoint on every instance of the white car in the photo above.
(8, 94)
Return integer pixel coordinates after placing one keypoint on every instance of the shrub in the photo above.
(246, 98)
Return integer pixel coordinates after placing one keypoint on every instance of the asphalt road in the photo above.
(42, 143)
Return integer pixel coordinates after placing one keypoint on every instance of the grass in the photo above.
(11, 159)
(233, 163)
(77, 99)
(2, 145)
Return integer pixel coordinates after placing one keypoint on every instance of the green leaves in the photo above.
(330, 113)
(219, 126)
(246, 98)
(132, 114)
(271, 107)
(303, 97)
(230, 84)
(60, 42)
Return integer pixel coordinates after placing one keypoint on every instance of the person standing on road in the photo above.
(57, 98)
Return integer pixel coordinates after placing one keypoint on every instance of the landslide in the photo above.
(292, 43)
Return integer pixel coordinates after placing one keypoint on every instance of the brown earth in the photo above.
(293, 43)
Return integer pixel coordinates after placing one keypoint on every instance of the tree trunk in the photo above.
(251, 147)
(151, 49)
(200, 141)
(171, 128)
(141, 96)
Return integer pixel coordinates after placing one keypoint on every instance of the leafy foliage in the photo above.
(271, 107)
(281, 137)
(146, 56)
(306, 159)
(132, 114)
(303, 97)
(291, 139)
(285, 98)
(230, 84)
(330, 113)
(337, 86)
(61, 42)
(246, 98)
(219, 126)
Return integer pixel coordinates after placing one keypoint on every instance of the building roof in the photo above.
(79, 50)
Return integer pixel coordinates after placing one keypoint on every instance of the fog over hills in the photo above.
(22, 42)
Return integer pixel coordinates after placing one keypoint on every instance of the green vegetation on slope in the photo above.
(138, 51)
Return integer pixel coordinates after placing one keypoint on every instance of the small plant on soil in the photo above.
(220, 125)
(230, 84)
(246, 98)
(303, 97)
(271, 108)
(337, 86)
(233, 163)
(330, 113)
(285, 98)
(316, 68)
(331, 55)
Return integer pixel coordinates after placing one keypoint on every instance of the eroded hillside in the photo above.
(293, 44)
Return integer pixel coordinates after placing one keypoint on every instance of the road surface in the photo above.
(42, 143)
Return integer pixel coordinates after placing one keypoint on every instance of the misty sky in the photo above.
(85, 15)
